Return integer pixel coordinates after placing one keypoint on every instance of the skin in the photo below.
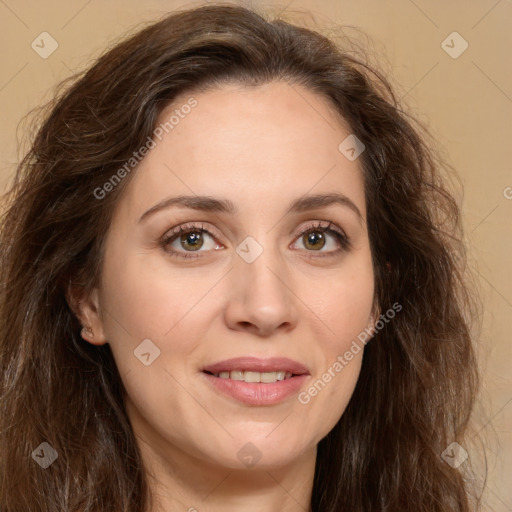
(260, 147)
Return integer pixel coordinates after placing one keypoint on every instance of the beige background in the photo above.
(466, 102)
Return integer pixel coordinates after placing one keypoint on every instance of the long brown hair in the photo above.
(419, 375)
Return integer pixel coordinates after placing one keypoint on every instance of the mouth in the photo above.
(249, 376)
(255, 381)
(253, 388)
(254, 369)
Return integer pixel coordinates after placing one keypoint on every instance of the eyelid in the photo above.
(343, 241)
(193, 226)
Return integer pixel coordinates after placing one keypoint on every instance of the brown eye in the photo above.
(326, 240)
(314, 240)
(186, 240)
(193, 240)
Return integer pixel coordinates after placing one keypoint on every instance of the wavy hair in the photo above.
(419, 375)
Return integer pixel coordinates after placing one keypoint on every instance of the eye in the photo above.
(186, 240)
(316, 237)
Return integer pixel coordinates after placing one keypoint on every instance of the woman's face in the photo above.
(249, 285)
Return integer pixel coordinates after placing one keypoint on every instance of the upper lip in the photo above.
(254, 364)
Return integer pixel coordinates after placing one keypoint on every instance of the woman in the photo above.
(233, 281)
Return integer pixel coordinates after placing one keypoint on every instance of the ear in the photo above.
(87, 309)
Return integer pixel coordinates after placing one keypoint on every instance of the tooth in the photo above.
(252, 376)
(268, 377)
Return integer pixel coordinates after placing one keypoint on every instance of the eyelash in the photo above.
(342, 239)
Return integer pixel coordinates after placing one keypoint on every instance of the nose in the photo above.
(261, 297)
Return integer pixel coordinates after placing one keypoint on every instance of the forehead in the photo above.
(266, 144)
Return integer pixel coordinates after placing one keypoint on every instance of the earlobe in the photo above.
(87, 310)
(93, 324)
(87, 334)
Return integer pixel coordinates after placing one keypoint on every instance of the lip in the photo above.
(255, 364)
(257, 393)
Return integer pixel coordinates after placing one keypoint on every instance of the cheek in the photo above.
(143, 302)
(350, 311)
(149, 298)
(343, 311)
(345, 307)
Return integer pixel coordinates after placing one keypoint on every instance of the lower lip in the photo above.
(257, 393)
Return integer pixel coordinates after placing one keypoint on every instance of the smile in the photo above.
(248, 376)
(256, 393)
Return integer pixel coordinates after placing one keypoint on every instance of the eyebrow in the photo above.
(212, 204)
